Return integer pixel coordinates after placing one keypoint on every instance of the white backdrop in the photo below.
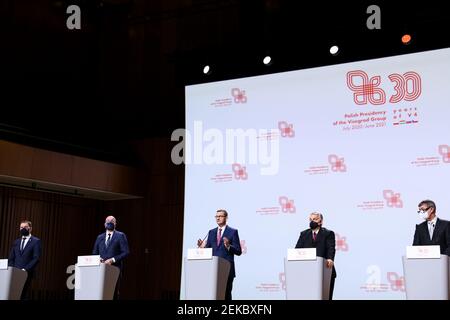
(365, 176)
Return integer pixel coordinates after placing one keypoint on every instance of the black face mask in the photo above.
(109, 226)
(24, 232)
(313, 225)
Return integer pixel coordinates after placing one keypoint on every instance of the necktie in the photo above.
(314, 236)
(23, 244)
(219, 235)
(107, 241)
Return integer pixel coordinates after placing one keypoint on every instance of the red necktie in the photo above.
(314, 236)
(219, 235)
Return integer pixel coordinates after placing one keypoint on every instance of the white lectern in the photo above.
(205, 276)
(95, 280)
(426, 273)
(307, 277)
(12, 281)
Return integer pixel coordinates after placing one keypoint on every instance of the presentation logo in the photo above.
(287, 206)
(337, 164)
(407, 87)
(444, 151)
(392, 199)
(239, 95)
(240, 172)
(286, 129)
(397, 282)
(341, 243)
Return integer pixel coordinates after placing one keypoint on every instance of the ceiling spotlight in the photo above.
(406, 39)
(334, 50)
(267, 60)
(206, 70)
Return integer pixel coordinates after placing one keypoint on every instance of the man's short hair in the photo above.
(28, 222)
(428, 203)
(224, 212)
(317, 214)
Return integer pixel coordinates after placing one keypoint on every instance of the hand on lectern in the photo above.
(108, 261)
(330, 263)
(200, 243)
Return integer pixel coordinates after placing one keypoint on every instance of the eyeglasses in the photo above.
(423, 210)
(219, 217)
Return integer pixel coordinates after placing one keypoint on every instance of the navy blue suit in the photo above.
(28, 259)
(228, 254)
(117, 248)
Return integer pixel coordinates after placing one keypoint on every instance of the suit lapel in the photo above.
(436, 229)
(28, 245)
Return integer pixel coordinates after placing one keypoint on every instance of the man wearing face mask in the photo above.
(433, 231)
(112, 246)
(323, 240)
(25, 254)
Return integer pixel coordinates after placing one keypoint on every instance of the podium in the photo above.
(95, 281)
(205, 276)
(12, 281)
(427, 278)
(307, 279)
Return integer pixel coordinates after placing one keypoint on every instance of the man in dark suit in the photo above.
(323, 240)
(433, 231)
(112, 246)
(225, 243)
(25, 254)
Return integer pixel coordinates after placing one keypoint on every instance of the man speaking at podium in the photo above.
(112, 246)
(433, 231)
(25, 255)
(323, 240)
(225, 243)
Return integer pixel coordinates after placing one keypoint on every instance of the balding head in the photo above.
(110, 223)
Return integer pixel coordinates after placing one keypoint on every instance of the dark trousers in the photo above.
(332, 287)
(26, 289)
(229, 288)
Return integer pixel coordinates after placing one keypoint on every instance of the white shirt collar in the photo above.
(433, 222)
(27, 237)
(223, 228)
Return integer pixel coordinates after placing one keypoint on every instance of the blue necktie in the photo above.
(23, 244)
(107, 241)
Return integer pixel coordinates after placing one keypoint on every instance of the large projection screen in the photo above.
(363, 143)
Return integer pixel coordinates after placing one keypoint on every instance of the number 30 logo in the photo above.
(407, 87)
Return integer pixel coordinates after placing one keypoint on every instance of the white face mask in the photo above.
(424, 215)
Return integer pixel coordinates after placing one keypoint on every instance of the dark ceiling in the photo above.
(121, 77)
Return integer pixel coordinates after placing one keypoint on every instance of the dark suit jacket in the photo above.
(29, 258)
(220, 251)
(325, 244)
(441, 235)
(117, 248)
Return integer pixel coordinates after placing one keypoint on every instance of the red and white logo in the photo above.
(239, 95)
(337, 164)
(444, 151)
(243, 247)
(392, 199)
(286, 129)
(365, 89)
(341, 243)
(240, 172)
(397, 283)
(287, 206)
